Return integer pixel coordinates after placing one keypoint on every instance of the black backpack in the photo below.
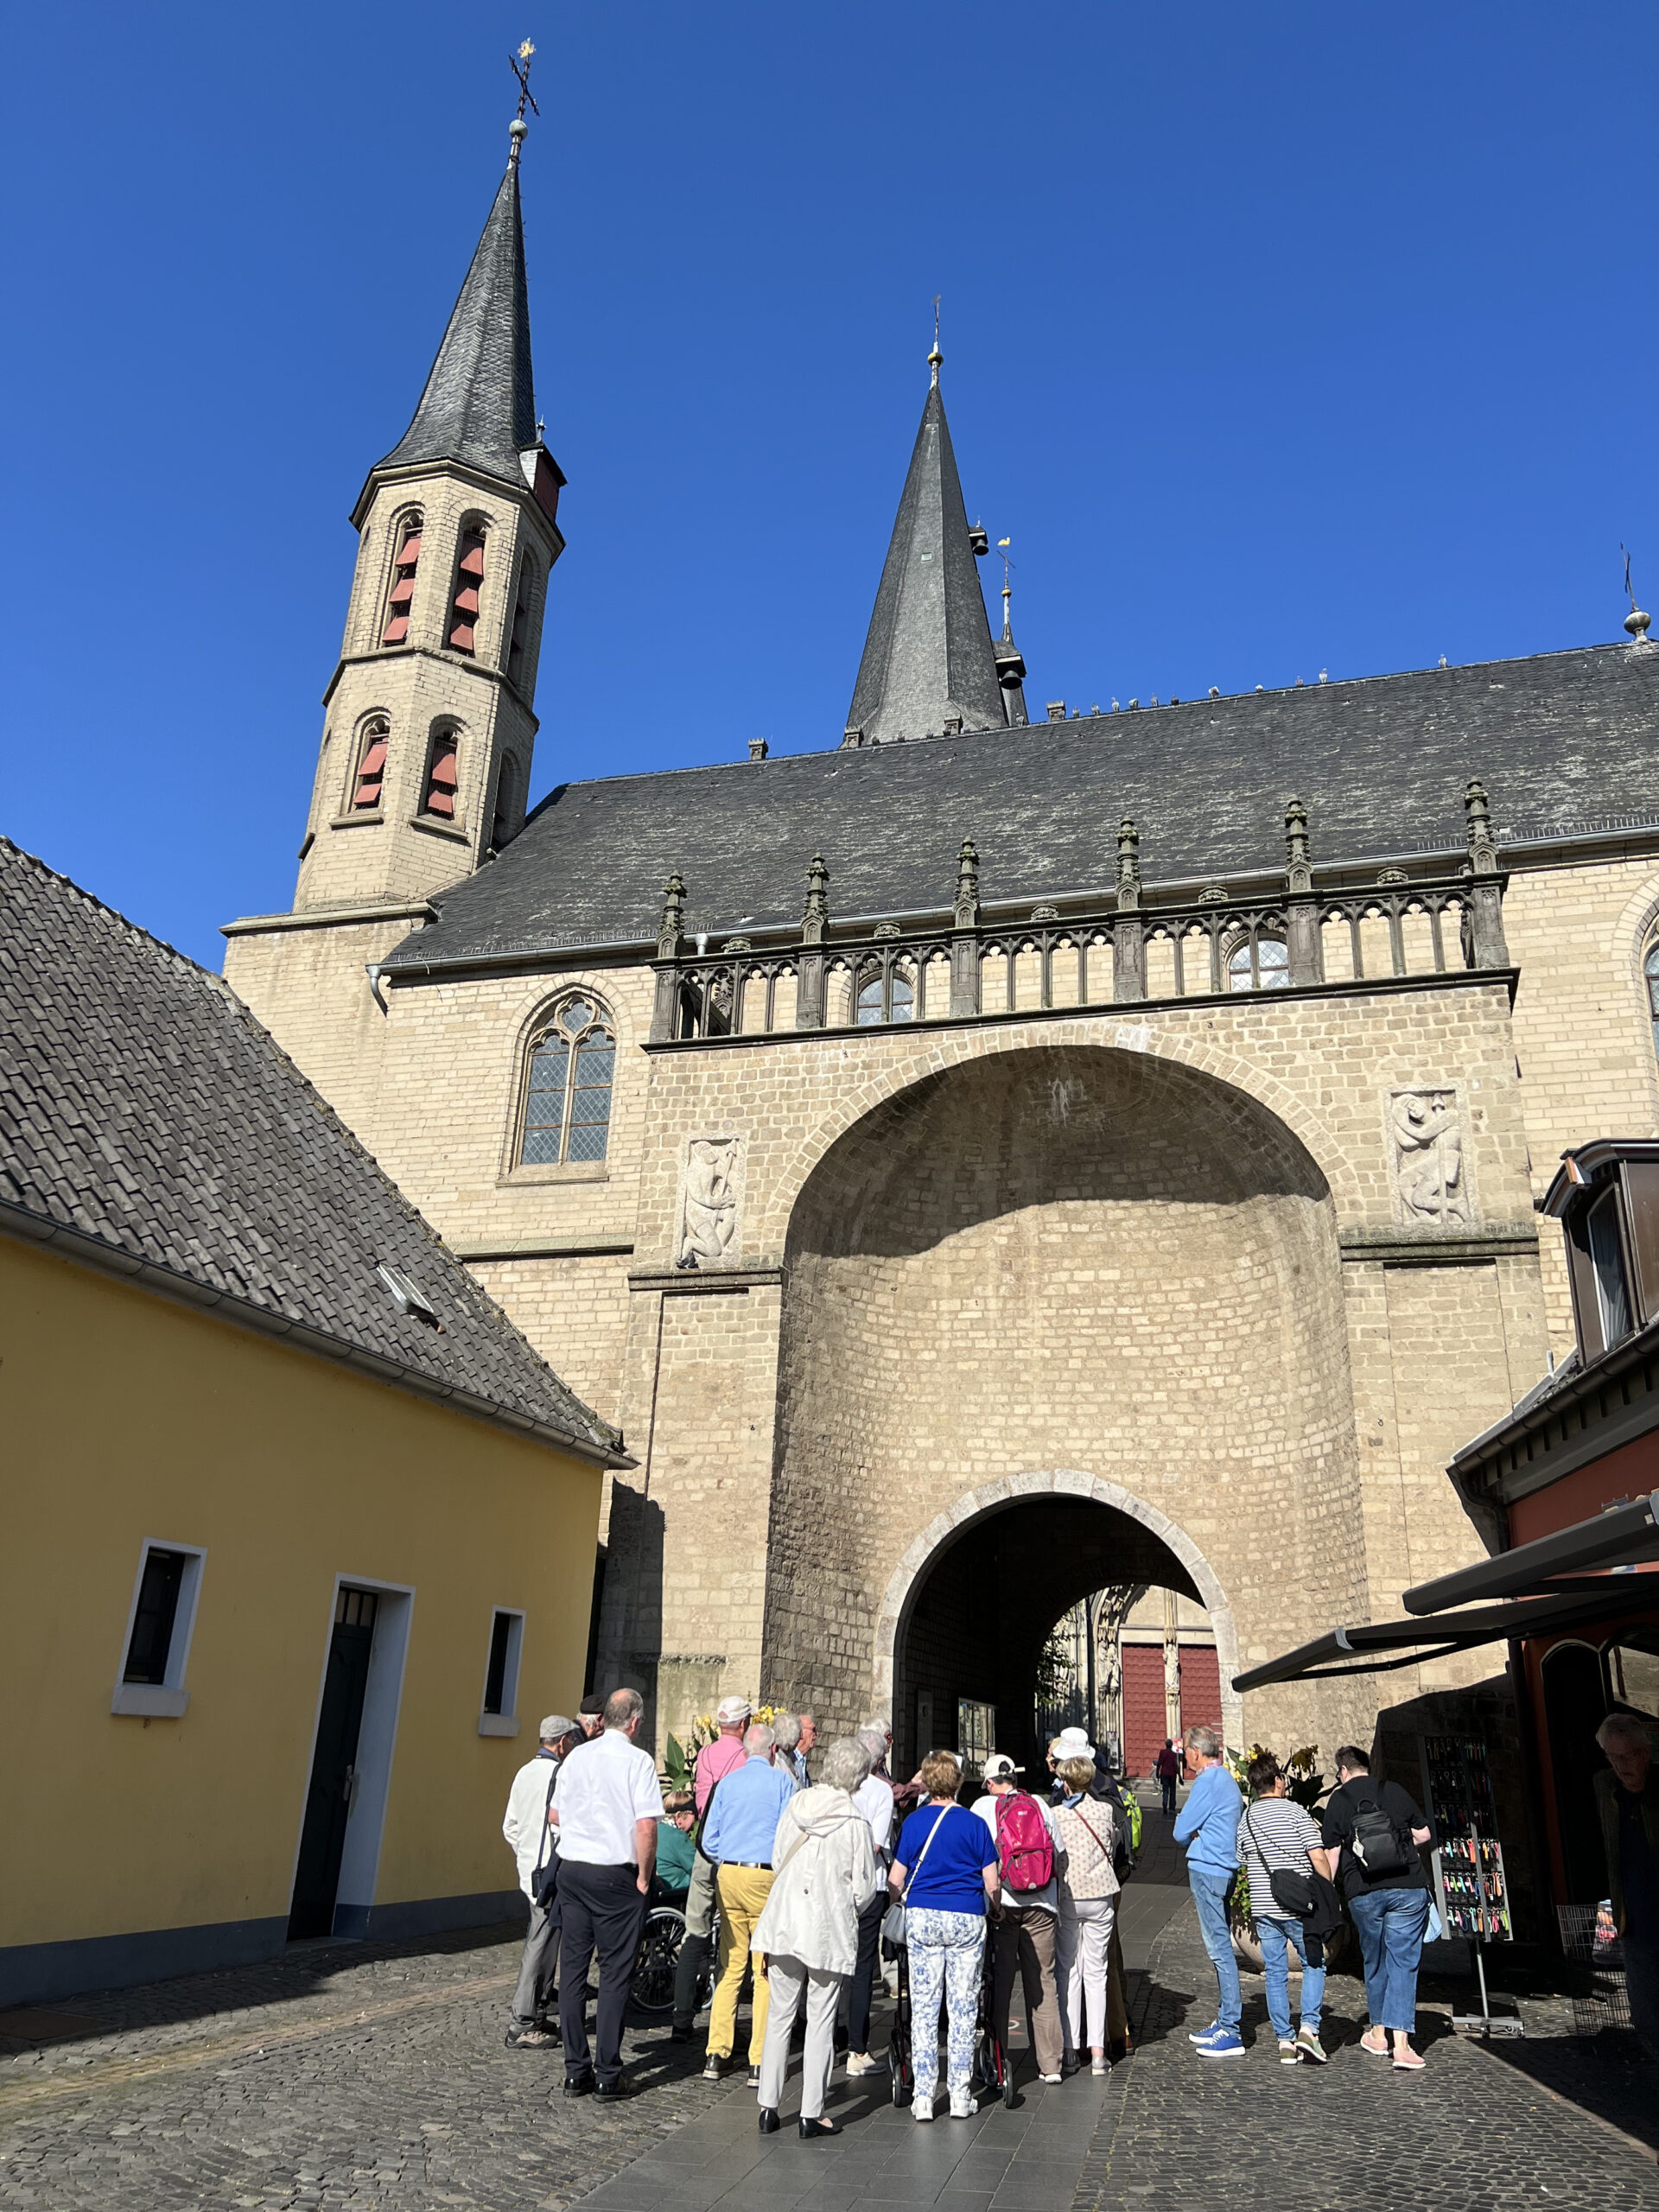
(1379, 1847)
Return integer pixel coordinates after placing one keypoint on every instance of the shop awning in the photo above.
(1377, 1647)
(1624, 1536)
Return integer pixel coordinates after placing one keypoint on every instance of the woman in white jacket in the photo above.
(824, 1873)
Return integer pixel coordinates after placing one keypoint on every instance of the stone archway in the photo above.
(1082, 1570)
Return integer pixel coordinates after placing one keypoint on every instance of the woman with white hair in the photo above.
(825, 1872)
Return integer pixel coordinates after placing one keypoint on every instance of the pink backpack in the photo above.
(1024, 1846)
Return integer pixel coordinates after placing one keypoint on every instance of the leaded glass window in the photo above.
(568, 1097)
(868, 1012)
(1259, 964)
(1651, 971)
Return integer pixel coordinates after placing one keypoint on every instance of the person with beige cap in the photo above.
(713, 1761)
(533, 1843)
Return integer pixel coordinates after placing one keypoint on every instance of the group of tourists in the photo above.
(1364, 1854)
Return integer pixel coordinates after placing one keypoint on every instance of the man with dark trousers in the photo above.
(607, 1803)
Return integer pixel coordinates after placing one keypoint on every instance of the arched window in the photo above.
(469, 576)
(568, 1094)
(506, 788)
(368, 781)
(1260, 963)
(1650, 973)
(401, 594)
(868, 1014)
(518, 643)
(443, 774)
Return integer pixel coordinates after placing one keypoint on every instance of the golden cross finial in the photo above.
(519, 64)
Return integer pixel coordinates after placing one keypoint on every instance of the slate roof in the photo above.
(479, 406)
(144, 1110)
(928, 654)
(1563, 741)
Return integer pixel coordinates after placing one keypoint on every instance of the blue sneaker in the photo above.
(1226, 2044)
(1207, 2035)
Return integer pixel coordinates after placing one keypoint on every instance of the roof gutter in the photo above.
(108, 1259)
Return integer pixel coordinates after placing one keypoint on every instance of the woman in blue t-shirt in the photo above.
(945, 1868)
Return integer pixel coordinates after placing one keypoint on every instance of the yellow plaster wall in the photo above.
(126, 1416)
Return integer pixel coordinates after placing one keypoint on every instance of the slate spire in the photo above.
(928, 658)
(479, 406)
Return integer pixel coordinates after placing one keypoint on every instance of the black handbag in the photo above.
(544, 1882)
(1293, 1893)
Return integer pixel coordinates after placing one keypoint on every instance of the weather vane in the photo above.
(1629, 591)
(935, 357)
(1002, 546)
(519, 63)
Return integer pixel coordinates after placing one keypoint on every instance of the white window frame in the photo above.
(167, 1699)
(505, 1723)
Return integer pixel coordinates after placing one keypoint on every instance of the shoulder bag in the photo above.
(892, 1921)
(1292, 1893)
(544, 1882)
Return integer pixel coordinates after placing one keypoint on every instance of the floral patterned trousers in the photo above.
(947, 1956)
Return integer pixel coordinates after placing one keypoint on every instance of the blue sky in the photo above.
(1277, 339)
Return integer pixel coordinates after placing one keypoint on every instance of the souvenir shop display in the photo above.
(1470, 1887)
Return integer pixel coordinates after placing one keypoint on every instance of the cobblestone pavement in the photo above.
(360, 2074)
(375, 2076)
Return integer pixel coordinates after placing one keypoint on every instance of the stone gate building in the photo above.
(986, 1158)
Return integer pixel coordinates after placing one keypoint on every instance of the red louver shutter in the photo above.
(472, 561)
(396, 631)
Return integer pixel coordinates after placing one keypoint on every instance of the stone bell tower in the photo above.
(429, 722)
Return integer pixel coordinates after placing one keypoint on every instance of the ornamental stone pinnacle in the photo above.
(967, 911)
(1129, 866)
(1483, 846)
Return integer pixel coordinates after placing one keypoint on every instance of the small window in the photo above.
(443, 774)
(369, 781)
(158, 1631)
(868, 1012)
(501, 1673)
(400, 597)
(1650, 974)
(567, 1096)
(975, 1731)
(506, 787)
(518, 645)
(1607, 1263)
(1259, 963)
(469, 576)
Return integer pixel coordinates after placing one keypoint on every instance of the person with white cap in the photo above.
(532, 1843)
(1028, 1851)
(715, 1758)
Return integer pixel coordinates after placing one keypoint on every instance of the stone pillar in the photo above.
(1486, 947)
(668, 954)
(964, 944)
(815, 919)
(1304, 940)
(1129, 931)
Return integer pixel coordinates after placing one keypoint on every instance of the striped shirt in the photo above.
(1274, 1832)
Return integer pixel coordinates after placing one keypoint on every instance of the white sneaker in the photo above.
(860, 2061)
(921, 2108)
(1288, 2054)
(965, 2110)
(1050, 2077)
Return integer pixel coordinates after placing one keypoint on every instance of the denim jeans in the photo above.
(1391, 1924)
(1274, 1934)
(1209, 1894)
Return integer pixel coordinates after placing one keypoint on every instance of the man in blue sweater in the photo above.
(1208, 1825)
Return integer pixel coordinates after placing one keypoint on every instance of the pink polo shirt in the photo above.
(714, 1760)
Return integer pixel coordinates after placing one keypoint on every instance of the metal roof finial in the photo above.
(1002, 546)
(1636, 621)
(936, 358)
(518, 129)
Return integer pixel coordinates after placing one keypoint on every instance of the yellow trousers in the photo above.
(742, 1892)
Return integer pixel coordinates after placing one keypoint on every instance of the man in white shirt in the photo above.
(606, 1806)
(873, 1798)
(532, 1844)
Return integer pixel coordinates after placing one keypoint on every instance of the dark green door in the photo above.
(334, 1764)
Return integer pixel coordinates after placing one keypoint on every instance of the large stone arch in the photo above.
(1053, 1256)
(1010, 1491)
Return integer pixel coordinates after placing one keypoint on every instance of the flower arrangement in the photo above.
(680, 1760)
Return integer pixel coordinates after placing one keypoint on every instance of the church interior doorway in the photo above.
(969, 1656)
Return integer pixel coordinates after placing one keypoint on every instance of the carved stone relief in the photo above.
(1430, 1173)
(709, 1204)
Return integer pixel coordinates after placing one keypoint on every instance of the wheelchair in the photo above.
(657, 1959)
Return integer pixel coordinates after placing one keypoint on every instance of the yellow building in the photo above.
(299, 1531)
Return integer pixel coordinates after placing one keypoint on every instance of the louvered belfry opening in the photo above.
(520, 621)
(403, 584)
(370, 780)
(469, 575)
(441, 775)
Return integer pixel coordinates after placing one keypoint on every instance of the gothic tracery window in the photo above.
(867, 1009)
(567, 1090)
(1259, 963)
(1650, 977)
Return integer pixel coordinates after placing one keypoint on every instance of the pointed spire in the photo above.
(928, 657)
(479, 407)
(1010, 661)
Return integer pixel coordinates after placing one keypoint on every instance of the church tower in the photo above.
(430, 721)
